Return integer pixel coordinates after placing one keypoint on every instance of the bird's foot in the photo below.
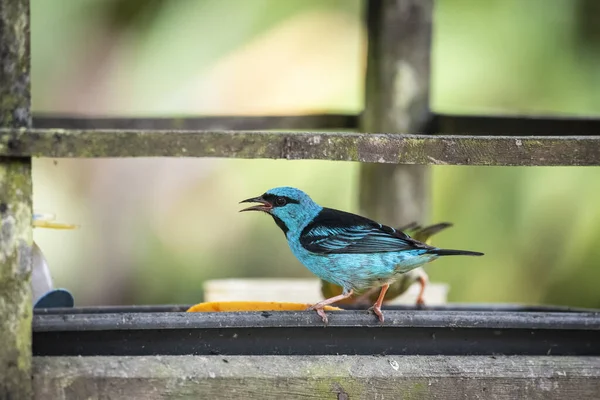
(421, 297)
(319, 307)
(377, 311)
(320, 311)
(377, 306)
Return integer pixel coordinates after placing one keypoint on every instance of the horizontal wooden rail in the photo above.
(448, 124)
(374, 148)
(325, 377)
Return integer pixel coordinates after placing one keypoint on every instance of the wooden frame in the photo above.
(389, 121)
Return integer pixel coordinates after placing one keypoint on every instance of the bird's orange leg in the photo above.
(377, 306)
(420, 298)
(320, 305)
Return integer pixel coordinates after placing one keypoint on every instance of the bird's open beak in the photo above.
(264, 205)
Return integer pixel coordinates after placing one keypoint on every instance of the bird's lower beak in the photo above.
(264, 205)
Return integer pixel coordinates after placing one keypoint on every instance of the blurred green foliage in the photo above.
(539, 227)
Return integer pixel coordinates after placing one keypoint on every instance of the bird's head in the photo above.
(291, 208)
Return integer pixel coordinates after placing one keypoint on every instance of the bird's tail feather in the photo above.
(448, 252)
(433, 229)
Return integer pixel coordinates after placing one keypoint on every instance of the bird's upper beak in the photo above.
(264, 205)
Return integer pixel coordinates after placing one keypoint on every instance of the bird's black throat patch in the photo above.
(281, 224)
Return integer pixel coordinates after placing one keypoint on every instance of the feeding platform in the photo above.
(445, 352)
(451, 351)
(443, 330)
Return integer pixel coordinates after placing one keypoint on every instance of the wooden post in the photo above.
(15, 206)
(397, 101)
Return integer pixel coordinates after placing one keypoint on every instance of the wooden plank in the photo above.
(287, 122)
(372, 148)
(15, 206)
(397, 100)
(316, 377)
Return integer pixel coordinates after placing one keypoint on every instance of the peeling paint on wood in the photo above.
(316, 377)
(372, 148)
(15, 206)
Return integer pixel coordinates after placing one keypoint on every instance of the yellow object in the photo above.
(225, 306)
(53, 225)
(41, 220)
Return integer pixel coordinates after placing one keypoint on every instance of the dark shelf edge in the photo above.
(395, 319)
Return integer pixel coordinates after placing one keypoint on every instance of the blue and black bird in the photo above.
(345, 249)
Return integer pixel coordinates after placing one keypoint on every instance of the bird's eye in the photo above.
(280, 201)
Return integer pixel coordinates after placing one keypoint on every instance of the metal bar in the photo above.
(515, 125)
(370, 148)
(493, 307)
(521, 125)
(442, 123)
(423, 332)
(287, 122)
(70, 320)
(15, 206)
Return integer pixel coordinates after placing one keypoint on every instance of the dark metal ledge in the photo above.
(444, 331)
(517, 125)
(225, 122)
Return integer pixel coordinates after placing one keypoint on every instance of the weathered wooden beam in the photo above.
(397, 100)
(316, 377)
(285, 122)
(371, 148)
(15, 206)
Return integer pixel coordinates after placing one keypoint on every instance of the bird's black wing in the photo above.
(338, 232)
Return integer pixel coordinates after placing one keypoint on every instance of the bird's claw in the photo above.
(320, 306)
(377, 311)
(320, 311)
(323, 316)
